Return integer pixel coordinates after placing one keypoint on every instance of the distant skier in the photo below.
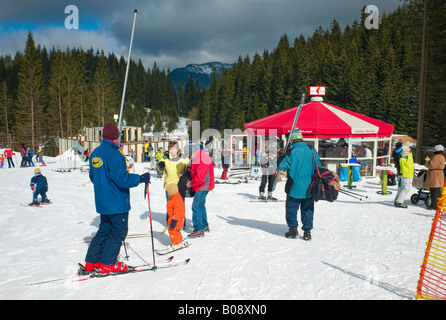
(268, 176)
(9, 153)
(39, 186)
(226, 161)
(30, 156)
(24, 156)
(111, 181)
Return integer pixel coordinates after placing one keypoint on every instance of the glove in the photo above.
(144, 178)
(173, 224)
(162, 165)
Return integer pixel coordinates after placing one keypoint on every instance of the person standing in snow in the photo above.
(202, 181)
(24, 156)
(111, 181)
(407, 172)
(435, 175)
(268, 175)
(39, 186)
(299, 163)
(30, 156)
(225, 162)
(9, 153)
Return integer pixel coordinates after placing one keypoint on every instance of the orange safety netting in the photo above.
(432, 282)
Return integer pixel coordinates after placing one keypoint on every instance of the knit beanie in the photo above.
(110, 132)
(37, 170)
(297, 134)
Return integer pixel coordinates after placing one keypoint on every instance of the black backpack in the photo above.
(324, 184)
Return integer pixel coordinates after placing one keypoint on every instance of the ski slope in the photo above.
(360, 249)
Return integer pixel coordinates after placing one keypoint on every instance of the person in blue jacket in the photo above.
(39, 186)
(111, 181)
(299, 163)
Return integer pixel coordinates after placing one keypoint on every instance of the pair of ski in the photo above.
(84, 275)
(169, 249)
(266, 200)
(37, 205)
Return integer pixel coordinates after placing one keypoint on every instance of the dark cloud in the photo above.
(177, 32)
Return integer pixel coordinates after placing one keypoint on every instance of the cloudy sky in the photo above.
(174, 33)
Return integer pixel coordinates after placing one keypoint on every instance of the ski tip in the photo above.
(187, 260)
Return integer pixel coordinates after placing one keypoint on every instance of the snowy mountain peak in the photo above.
(201, 72)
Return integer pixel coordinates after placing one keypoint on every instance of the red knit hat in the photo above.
(110, 132)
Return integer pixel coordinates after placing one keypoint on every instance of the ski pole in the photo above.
(350, 195)
(356, 194)
(151, 227)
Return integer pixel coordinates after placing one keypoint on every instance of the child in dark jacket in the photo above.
(39, 185)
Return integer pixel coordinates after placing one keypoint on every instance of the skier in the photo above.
(111, 181)
(172, 165)
(202, 181)
(407, 172)
(24, 156)
(299, 163)
(268, 175)
(9, 153)
(30, 156)
(2, 160)
(39, 186)
(175, 212)
(226, 160)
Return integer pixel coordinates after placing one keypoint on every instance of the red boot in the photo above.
(90, 266)
(117, 267)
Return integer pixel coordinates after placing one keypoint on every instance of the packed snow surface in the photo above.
(365, 249)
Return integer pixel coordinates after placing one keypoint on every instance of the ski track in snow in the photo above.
(360, 249)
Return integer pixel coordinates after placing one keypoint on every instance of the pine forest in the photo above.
(50, 93)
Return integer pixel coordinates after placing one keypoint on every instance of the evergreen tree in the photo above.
(30, 96)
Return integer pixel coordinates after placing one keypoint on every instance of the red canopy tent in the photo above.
(321, 120)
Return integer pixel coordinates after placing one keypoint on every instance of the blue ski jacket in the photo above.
(39, 182)
(300, 166)
(111, 180)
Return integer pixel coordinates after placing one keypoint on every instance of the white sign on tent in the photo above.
(316, 91)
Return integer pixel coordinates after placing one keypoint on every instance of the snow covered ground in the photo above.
(360, 249)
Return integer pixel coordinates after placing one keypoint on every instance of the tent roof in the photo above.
(321, 120)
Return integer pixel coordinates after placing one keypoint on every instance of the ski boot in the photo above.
(88, 268)
(181, 245)
(117, 267)
(270, 197)
(262, 196)
(292, 233)
(400, 205)
(307, 235)
(196, 234)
